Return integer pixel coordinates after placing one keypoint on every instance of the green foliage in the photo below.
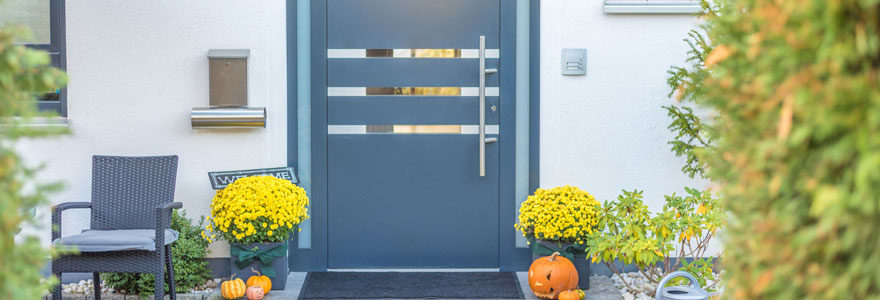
(692, 135)
(702, 269)
(190, 267)
(796, 89)
(628, 232)
(690, 139)
(24, 73)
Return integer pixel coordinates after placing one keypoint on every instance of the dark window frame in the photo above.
(57, 48)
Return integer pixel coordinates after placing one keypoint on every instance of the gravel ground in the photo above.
(642, 288)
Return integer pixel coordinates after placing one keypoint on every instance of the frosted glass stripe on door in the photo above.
(411, 53)
(410, 129)
(362, 91)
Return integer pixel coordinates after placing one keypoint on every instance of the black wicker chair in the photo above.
(132, 199)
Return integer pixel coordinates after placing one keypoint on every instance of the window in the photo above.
(45, 19)
(651, 6)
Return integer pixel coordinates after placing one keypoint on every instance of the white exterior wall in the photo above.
(138, 67)
(136, 70)
(606, 131)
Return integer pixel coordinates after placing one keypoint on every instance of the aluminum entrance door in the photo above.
(413, 112)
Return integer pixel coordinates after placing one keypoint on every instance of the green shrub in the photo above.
(692, 135)
(190, 267)
(630, 233)
(24, 73)
(795, 86)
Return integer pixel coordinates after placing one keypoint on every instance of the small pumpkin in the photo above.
(255, 293)
(232, 288)
(575, 294)
(260, 280)
(551, 275)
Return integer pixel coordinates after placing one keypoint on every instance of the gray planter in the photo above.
(279, 264)
(582, 265)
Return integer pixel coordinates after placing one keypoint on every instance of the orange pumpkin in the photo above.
(233, 288)
(551, 275)
(575, 294)
(255, 293)
(260, 280)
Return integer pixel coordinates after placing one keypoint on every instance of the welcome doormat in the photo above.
(412, 285)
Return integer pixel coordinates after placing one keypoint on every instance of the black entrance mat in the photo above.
(372, 285)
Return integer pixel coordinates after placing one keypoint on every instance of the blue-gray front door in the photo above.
(404, 182)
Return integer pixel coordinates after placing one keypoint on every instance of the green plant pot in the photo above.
(581, 264)
(280, 265)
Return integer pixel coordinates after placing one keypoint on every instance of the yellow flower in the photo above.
(236, 209)
(566, 214)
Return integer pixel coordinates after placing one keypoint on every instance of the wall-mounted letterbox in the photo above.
(228, 94)
(227, 73)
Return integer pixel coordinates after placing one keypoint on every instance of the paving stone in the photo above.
(69, 297)
(194, 296)
(601, 288)
(215, 295)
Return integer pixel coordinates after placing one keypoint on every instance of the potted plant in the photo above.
(257, 215)
(561, 220)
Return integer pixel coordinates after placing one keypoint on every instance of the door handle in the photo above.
(483, 139)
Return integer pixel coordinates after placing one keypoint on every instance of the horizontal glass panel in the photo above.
(416, 91)
(412, 91)
(415, 53)
(414, 129)
(32, 14)
(410, 129)
(423, 129)
(410, 53)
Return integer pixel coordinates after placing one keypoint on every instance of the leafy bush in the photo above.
(190, 267)
(629, 233)
(693, 136)
(796, 89)
(24, 73)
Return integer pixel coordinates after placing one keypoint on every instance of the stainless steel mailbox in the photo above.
(228, 95)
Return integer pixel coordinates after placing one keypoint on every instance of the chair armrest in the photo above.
(56, 215)
(160, 222)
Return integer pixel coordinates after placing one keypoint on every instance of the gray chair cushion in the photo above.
(115, 240)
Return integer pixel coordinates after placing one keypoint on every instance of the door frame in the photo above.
(511, 258)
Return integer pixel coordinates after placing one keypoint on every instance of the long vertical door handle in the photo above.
(482, 93)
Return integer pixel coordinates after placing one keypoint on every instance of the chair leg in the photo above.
(169, 272)
(96, 277)
(56, 292)
(159, 286)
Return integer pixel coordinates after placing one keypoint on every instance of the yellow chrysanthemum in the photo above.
(256, 210)
(563, 214)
